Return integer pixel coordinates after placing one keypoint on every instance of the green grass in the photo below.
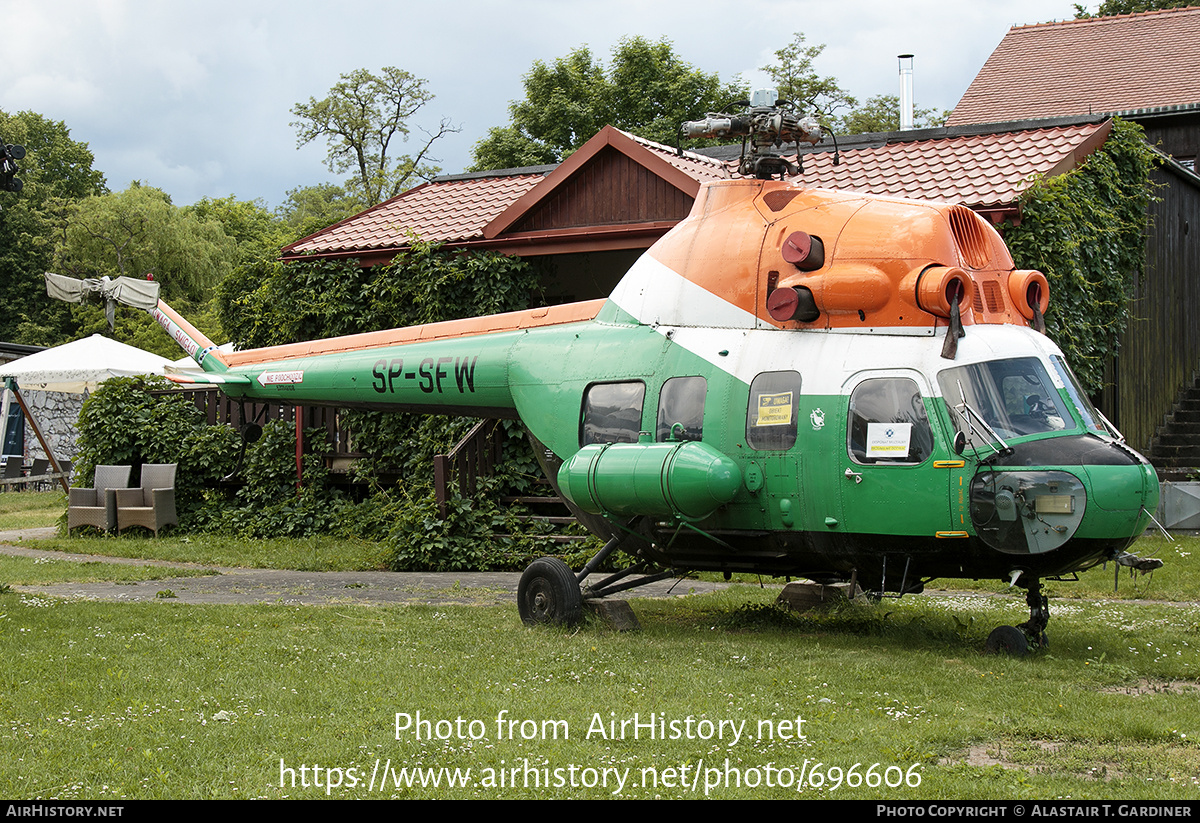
(303, 554)
(164, 700)
(28, 510)
(107, 701)
(40, 571)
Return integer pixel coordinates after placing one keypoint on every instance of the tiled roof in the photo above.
(1103, 65)
(447, 209)
(699, 166)
(979, 170)
(982, 170)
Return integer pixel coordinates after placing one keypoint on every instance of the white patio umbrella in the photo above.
(75, 368)
(81, 366)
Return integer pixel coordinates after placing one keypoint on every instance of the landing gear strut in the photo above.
(549, 592)
(1018, 640)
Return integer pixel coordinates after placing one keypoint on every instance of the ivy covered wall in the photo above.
(1086, 231)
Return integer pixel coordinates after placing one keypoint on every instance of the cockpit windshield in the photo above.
(1014, 397)
(1091, 418)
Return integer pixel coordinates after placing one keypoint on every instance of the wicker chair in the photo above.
(152, 505)
(98, 506)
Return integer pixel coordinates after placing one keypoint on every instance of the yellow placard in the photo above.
(774, 409)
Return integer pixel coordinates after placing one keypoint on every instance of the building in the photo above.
(1140, 67)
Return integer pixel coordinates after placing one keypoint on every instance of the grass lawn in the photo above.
(719, 695)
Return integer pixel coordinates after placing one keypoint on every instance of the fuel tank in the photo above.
(685, 479)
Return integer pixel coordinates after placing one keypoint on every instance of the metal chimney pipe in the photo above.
(906, 91)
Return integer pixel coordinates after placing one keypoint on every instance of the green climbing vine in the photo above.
(1086, 231)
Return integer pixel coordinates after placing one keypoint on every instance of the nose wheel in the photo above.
(1017, 641)
(1007, 640)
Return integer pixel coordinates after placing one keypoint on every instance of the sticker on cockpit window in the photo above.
(888, 439)
(774, 409)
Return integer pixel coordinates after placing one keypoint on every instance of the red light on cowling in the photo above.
(149, 275)
(804, 251)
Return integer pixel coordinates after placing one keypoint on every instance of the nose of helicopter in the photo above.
(1099, 505)
(1121, 498)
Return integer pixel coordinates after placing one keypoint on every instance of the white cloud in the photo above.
(194, 97)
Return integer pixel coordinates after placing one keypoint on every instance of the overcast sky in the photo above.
(195, 97)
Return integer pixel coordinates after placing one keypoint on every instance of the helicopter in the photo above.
(793, 382)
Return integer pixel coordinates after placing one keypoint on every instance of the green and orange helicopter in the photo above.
(791, 382)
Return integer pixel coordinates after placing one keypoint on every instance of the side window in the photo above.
(682, 401)
(888, 423)
(612, 412)
(771, 416)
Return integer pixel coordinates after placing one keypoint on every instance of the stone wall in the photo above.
(57, 415)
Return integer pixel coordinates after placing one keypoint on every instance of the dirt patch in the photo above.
(1145, 686)
(994, 754)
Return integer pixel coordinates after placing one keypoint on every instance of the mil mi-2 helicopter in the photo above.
(791, 382)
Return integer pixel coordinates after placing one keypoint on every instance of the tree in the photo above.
(882, 113)
(257, 232)
(647, 89)
(137, 232)
(308, 209)
(55, 169)
(1110, 8)
(363, 119)
(134, 233)
(797, 81)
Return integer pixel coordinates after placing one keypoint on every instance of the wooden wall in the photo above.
(1160, 351)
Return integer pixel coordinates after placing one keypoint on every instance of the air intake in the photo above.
(969, 234)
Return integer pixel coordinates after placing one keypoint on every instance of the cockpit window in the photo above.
(1015, 397)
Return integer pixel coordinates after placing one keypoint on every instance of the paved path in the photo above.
(236, 585)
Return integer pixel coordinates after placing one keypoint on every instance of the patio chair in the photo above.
(40, 467)
(151, 505)
(13, 470)
(98, 506)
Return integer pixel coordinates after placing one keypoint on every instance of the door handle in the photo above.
(856, 475)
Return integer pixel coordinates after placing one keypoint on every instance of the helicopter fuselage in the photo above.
(771, 389)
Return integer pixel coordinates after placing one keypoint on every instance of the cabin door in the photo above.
(890, 487)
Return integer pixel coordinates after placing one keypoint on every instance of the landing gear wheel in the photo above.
(549, 593)
(1008, 640)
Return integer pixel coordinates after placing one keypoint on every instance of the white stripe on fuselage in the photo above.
(707, 325)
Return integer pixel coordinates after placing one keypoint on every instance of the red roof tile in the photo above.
(444, 210)
(980, 170)
(694, 165)
(1079, 67)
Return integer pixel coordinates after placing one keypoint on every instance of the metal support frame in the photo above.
(11, 385)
